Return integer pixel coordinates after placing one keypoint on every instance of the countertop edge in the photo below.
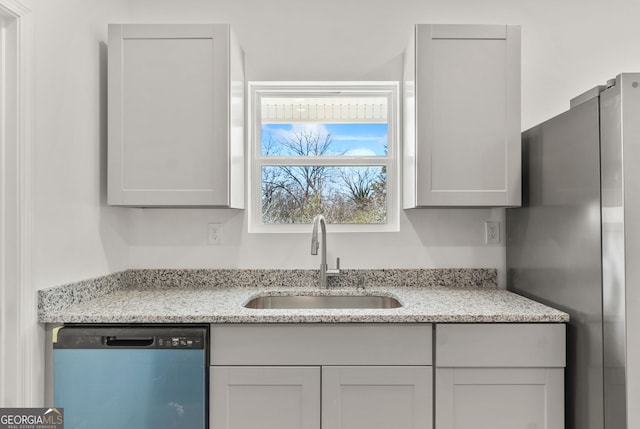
(220, 306)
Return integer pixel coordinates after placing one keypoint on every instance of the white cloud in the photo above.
(298, 129)
(360, 138)
(360, 151)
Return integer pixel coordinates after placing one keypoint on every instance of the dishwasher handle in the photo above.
(127, 341)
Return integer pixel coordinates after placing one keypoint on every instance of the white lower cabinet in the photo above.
(499, 376)
(352, 397)
(377, 397)
(381, 376)
(499, 398)
(265, 397)
(321, 376)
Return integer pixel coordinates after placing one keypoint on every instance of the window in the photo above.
(323, 148)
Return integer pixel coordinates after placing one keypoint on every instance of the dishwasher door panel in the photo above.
(132, 388)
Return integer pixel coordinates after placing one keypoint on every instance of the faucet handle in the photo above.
(334, 271)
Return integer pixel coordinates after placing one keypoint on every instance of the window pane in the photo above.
(324, 140)
(347, 195)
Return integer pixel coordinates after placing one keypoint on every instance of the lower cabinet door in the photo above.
(264, 398)
(377, 397)
(499, 398)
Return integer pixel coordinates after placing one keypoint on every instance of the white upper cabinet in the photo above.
(176, 116)
(462, 116)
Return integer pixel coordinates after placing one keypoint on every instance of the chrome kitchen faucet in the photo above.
(324, 271)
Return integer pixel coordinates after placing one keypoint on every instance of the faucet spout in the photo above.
(324, 271)
(314, 234)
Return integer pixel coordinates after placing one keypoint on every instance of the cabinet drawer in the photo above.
(313, 344)
(500, 345)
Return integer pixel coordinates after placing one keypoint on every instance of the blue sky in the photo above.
(353, 139)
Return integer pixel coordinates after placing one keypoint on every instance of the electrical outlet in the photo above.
(215, 233)
(492, 232)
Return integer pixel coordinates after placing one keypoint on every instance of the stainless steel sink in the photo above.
(323, 301)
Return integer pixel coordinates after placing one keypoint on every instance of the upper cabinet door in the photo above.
(175, 116)
(462, 116)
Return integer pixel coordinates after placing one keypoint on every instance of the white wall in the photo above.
(567, 47)
(75, 235)
(293, 40)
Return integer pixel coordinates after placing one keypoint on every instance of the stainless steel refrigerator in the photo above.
(575, 244)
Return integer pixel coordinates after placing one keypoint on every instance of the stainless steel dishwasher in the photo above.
(142, 377)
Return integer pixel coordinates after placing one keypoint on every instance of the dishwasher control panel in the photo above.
(131, 337)
(179, 342)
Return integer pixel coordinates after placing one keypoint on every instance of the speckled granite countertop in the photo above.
(108, 300)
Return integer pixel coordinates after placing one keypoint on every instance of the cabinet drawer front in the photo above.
(500, 345)
(312, 344)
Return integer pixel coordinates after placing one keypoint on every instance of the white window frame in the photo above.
(256, 90)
